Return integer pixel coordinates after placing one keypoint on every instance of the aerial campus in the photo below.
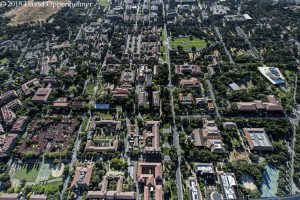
(149, 100)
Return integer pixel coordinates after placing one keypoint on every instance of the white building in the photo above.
(228, 184)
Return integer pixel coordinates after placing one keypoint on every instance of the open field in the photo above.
(84, 124)
(103, 2)
(186, 43)
(90, 88)
(26, 14)
(4, 61)
(29, 172)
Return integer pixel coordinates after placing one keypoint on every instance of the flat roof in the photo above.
(228, 182)
(204, 167)
(258, 136)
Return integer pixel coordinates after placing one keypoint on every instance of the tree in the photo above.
(5, 181)
(173, 154)
(118, 164)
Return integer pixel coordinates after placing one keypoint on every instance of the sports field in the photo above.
(44, 172)
(36, 172)
(28, 172)
(186, 43)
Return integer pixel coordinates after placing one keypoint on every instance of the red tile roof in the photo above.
(82, 176)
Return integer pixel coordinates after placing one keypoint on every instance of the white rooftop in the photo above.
(205, 167)
(273, 74)
(228, 182)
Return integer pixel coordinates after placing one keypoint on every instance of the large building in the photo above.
(106, 193)
(7, 96)
(41, 95)
(272, 105)
(188, 69)
(14, 104)
(149, 176)
(209, 136)
(97, 131)
(228, 185)
(127, 76)
(186, 99)
(151, 136)
(258, 139)
(121, 92)
(28, 87)
(8, 116)
(20, 124)
(194, 189)
(204, 169)
(6, 144)
(82, 176)
(52, 137)
(192, 83)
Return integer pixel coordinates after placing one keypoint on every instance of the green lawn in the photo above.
(105, 116)
(90, 88)
(28, 172)
(84, 124)
(103, 2)
(186, 43)
(166, 151)
(289, 75)
(163, 48)
(163, 35)
(4, 61)
(163, 51)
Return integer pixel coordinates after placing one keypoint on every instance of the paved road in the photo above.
(225, 48)
(73, 160)
(174, 128)
(213, 97)
(291, 145)
(75, 149)
(253, 49)
(194, 116)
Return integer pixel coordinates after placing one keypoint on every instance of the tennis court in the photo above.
(269, 181)
(44, 172)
